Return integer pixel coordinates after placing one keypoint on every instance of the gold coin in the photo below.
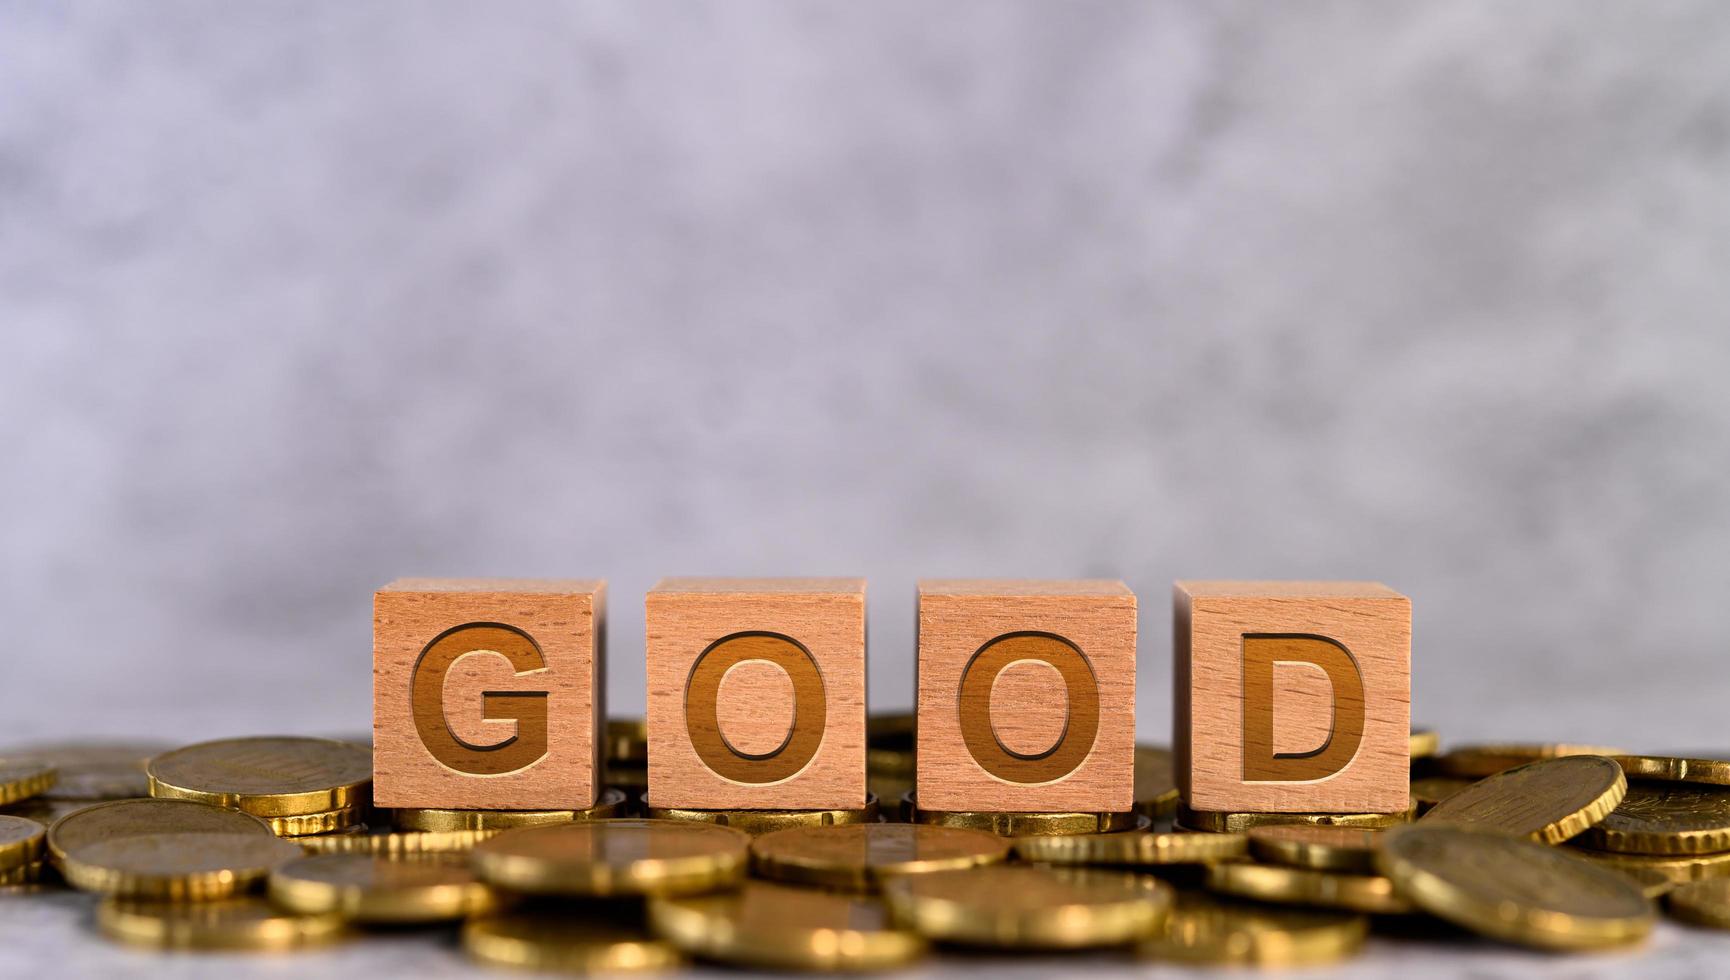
(138, 818)
(23, 874)
(1648, 869)
(1306, 886)
(1132, 848)
(755, 822)
(549, 940)
(1202, 929)
(627, 742)
(1713, 772)
(1021, 907)
(363, 888)
(309, 824)
(1237, 823)
(1425, 743)
(21, 841)
(396, 844)
(1349, 849)
(93, 770)
(783, 928)
(614, 857)
(1665, 818)
(230, 923)
(1549, 801)
(22, 779)
(175, 867)
(862, 857)
(1704, 903)
(1478, 761)
(1429, 791)
(611, 803)
(1019, 824)
(1156, 792)
(268, 776)
(1515, 890)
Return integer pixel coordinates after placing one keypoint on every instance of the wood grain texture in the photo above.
(475, 740)
(989, 746)
(1291, 648)
(756, 693)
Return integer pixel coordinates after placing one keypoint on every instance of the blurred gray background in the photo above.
(301, 298)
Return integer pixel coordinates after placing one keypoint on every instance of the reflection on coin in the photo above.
(94, 770)
(609, 804)
(1713, 772)
(785, 928)
(363, 888)
(1425, 743)
(613, 857)
(22, 779)
(1021, 907)
(23, 874)
(231, 924)
(1155, 781)
(1647, 869)
(1549, 801)
(21, 841)
(555, 940)
(396, 844)
(1132, 848)
(1206, 930)
(862, 857)
(1308, 887)
(755, 822)
(1478, 761)
(1704, 903)
(1238, 823)
(308, 824)
(1350, 849)
(1430, 790)
(137, 818)
(1019, 824)
(1515, 890)
(268, 776)
(1666, 818)
(175, 867)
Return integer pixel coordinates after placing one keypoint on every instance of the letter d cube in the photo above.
(1292, 697)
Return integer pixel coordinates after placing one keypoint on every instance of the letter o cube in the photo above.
(1026, 696)
(756, 693)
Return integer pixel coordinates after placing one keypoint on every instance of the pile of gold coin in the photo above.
(272, 844)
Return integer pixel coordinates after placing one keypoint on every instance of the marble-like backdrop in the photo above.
(299, 298)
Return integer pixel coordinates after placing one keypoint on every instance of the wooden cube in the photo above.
(488, 693)
(1026, 696)
(756, 693)
(1292, 697)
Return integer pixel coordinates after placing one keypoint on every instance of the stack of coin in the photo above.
(756, 822)
(612, 802)
(299, 786)
(1019, 824)
(21, 850)
(1671, 828)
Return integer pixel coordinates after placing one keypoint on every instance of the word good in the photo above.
(1290, 696)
